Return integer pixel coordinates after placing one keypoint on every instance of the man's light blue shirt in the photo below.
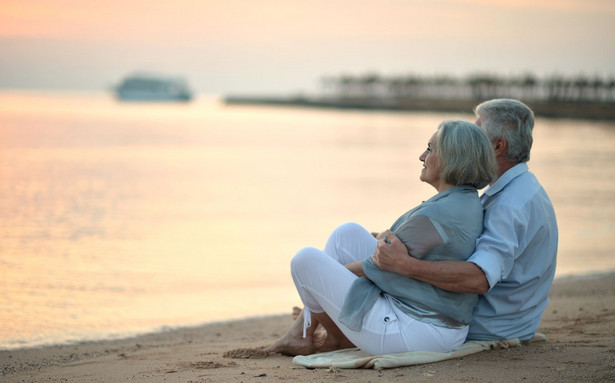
(517, 251)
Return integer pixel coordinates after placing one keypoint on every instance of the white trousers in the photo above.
(323, 282)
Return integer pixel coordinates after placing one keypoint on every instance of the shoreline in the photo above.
(579, 324)
(171, 328)
(548, 109)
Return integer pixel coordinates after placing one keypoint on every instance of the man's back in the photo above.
(517, 251)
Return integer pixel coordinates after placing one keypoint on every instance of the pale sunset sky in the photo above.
(286, 46)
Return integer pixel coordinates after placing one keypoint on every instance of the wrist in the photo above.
(409, 266)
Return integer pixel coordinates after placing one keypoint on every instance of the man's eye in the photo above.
(429, 149)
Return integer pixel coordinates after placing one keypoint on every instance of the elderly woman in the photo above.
(381, 312)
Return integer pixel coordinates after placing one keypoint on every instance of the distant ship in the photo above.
(145, 87)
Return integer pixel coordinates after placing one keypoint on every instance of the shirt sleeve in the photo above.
(420, 234)
(498, 245)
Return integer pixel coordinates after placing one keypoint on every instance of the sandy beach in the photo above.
(579, 324)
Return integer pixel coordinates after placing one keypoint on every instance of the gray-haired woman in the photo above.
(360, 305)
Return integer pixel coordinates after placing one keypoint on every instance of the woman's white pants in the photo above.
(323, 282)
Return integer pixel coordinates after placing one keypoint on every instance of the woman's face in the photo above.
(432, 166)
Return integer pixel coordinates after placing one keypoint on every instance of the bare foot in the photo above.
(319, 333)
(331, 344)
(289, 345)
(296, 312)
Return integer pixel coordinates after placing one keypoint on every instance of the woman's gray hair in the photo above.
(466, 154)
(511, 120)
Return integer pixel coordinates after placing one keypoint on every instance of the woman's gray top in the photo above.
(445, 227)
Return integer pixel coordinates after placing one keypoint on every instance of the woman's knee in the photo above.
(340, 235)
(305, 259)
(348, 228)
(350, 242)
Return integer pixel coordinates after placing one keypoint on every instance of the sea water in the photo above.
(123, 218)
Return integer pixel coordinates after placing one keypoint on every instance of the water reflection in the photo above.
(119, 219)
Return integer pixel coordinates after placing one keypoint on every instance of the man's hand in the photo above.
(455, 276)
(378, 235)
(391, 254)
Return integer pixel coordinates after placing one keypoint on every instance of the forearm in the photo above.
(356, 268)
(454, 276)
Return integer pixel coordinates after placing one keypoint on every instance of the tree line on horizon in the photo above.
(554, 88)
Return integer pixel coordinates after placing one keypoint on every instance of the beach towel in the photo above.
(355, 358)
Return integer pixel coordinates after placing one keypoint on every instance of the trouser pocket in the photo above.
(389, 321)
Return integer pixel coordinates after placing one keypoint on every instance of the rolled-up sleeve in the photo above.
(498, 245)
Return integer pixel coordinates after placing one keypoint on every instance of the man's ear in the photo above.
(500, 146)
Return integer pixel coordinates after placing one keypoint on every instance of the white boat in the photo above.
(143, 87)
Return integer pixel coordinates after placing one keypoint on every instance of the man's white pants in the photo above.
(323, 282)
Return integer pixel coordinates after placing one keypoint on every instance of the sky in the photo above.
(288, 46)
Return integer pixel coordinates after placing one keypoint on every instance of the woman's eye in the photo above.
(429, 149)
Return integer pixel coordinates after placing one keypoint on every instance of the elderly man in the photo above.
(514, 261)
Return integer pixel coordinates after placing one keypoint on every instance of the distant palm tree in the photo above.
(478, 86)
(528, 87)
(483, 86)
(597, 86)
(555, 88)
(369, 84)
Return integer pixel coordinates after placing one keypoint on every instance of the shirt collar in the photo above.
(452, 189)
(505, 178)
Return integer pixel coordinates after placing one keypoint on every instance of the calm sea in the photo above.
(118, 219)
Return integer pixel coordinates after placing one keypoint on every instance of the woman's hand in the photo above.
(356, 268)
(391, 254)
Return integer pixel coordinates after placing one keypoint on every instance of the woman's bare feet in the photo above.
(334, 338)
(296, 312)
(293, 343)
(319, 333)
(331, 344)
(318, 337)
